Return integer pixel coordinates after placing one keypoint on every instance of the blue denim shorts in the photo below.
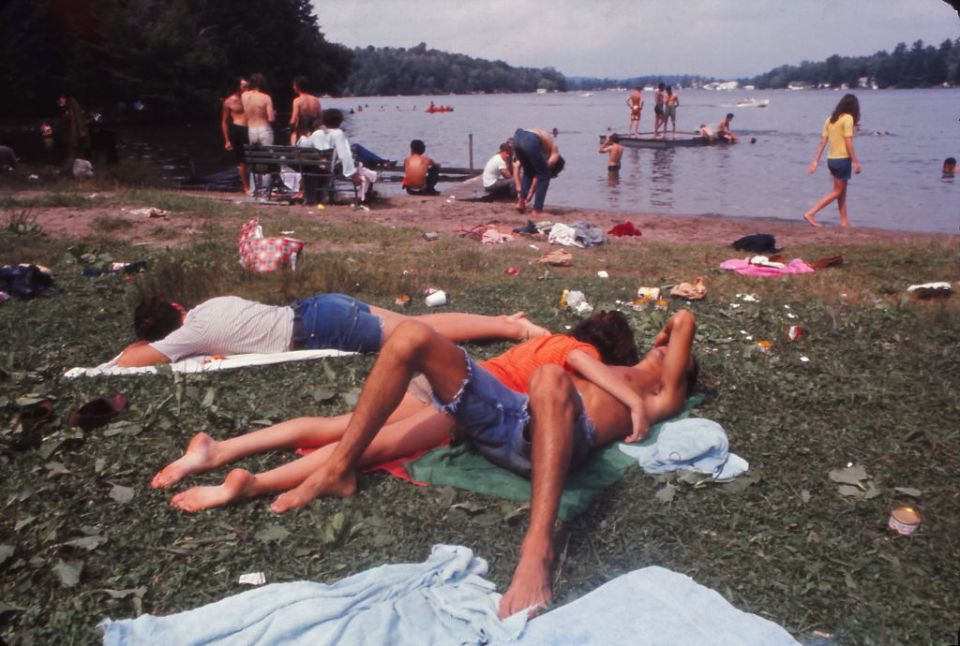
(841, 168)
(495, 419)
(335, 321)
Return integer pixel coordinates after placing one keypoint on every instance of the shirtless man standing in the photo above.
(306, 109)
(635, 101)
(258, 106)
(542, 435)
(233, 125)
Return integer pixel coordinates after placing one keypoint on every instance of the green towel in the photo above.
(459, 466)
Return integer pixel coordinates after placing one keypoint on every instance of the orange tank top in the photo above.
(514, 367)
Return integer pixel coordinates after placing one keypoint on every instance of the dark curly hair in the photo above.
(155, 318)
(847, 105)
(610, 334)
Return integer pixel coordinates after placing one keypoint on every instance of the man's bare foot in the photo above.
(529, 589)
(529, 329)
(319, 484)
(844, 223)
(811, 221)
(235, 486)
(198, 458)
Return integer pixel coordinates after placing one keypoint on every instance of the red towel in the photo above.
(625, 229)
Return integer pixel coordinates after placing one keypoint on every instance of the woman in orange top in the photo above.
(414, 426)
(838, 131)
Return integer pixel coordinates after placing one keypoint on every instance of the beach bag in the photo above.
(757, 243)
(261, 254)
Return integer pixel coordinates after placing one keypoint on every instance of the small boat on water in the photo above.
(439, 108)
(754, 103)
(682, 140)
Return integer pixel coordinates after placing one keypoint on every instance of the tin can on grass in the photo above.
(904, 520)
(795, 332)
(764, 346)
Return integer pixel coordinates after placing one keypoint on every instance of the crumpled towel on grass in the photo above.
(652, 606)
(694, 444)
(743, 266)
(460, 466)
(206, 363)
(444, 600)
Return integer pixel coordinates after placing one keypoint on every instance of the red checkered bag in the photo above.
(266, 254)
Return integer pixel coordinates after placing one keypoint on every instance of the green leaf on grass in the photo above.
(852, 475)
(88, 543)
(6, 551)
(908, 491)
(667, 493)
(273, 533)
(122, 494)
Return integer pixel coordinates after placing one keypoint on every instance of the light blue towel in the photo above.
(694, 443)
(652, 606)
(445, 600)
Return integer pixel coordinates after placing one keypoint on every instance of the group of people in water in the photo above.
(537, 410)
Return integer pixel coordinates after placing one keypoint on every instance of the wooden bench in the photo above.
(319, 170)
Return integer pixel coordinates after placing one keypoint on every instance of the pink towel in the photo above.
(743, 266)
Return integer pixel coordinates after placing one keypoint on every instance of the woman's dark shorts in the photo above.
(840, 168)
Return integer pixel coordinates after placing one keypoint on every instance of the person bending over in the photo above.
(541, 435)
(165, 332)
(420, 173)
(540, 159)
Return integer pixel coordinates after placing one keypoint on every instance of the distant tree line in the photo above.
(176, 57)
(917, 66)
(581, 83)
(418, 70)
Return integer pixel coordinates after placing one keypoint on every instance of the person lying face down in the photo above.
(543, 434)
(225, 325)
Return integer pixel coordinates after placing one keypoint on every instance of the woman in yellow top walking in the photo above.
(838, 130)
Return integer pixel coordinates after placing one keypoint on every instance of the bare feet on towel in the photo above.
(236, 485)
(530, 588)
(321, 483)
(200, 456)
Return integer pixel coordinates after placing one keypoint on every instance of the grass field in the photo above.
(872, 382)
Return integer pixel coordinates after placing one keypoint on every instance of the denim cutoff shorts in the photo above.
(841, 168)
(495, 418)
(335, 321)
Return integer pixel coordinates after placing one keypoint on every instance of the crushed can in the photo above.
(904, 520)
(795, 332)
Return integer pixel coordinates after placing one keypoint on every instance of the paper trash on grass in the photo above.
(253, 578)
(576, 301)
(931, 290)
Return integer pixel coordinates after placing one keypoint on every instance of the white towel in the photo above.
(652, 606)
(206, 363)
(694, 443)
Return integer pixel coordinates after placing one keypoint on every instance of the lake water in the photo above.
(900, 188)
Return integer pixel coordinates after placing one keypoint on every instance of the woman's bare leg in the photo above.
(423, 430)
(460, 326)
(839, 186)
(204, 453)
(842, 205)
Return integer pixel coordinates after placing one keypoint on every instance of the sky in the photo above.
(624, 38)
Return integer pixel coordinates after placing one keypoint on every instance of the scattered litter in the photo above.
(791, 315)
(804, 359)
(691, 291)
(765, 261)
(764, 346)
(512, 271)
(402, 300)
(320, 207)
(149, 212)
(661, 305)
(436, 298)
(535, 247)
(288, 232)
(253, 578)
(625, 229)
(576, 301)
(749, 298)
(82, 168)
(493, 236)
(557, 258)
(931, 290)
(34, 178)
(602, 274)
(430, 235)
(795, 332)
(904, 520)
(648, 293)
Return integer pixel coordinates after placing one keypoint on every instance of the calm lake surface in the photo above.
(900, 188)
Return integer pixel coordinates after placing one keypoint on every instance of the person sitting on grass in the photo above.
(541, 435)
(165, 332)
(330, 136)
(420, 173)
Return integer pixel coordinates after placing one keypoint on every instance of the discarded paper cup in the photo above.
(795, 332)
(437, 298)
(904, 520)
(764, 346)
